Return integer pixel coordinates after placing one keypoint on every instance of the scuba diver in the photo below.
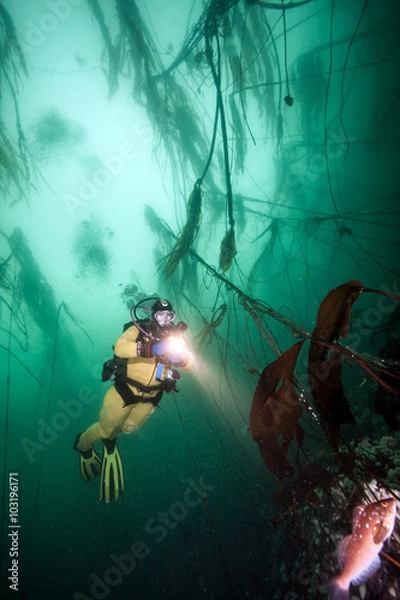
(143, 368)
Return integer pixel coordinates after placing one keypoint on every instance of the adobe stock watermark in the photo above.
(309, 171)
(47, 433)
(373, 317)
(47, 24)
(158, 528)
(87, 188)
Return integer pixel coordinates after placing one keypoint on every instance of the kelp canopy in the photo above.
(237, 58)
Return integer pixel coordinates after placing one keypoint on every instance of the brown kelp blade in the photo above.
(228, 250)
(189, 232)
(325, 363)
(334, 311)
(275, 413)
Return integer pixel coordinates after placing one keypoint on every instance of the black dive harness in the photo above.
(115, 369)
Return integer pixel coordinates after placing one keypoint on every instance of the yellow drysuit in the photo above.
(115, 417)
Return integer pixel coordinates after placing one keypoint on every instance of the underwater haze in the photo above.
(240, 158)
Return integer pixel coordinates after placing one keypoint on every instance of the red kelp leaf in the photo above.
(326, 387)
(325, 364)
(275, 413)
(334, 311)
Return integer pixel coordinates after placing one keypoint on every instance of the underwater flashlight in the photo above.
(176, 345)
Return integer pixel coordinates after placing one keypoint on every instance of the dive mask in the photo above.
(164, 317)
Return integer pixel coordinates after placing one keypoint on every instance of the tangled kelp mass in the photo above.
(240, 158)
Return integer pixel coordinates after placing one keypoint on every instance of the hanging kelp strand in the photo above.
(189, 232)
(33, 290)
(15, 159)
(208, 331)
(228, 245)
(166, 100)
(228, 250)
(10, 167)
(113, 56)
(12, 57)
(267, 252)
(158, 226)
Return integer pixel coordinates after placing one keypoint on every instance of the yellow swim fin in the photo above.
(89, 461)
(112, 482)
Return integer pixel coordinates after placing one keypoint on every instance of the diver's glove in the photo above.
(159, 349)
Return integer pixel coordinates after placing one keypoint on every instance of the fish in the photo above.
(358, 553)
